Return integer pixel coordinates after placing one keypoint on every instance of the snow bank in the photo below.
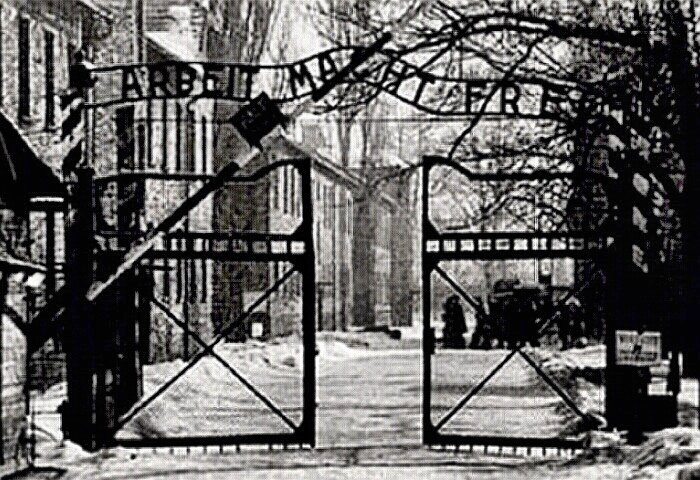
(579, 372)
(667, 447)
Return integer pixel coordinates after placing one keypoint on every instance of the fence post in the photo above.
(80, 415)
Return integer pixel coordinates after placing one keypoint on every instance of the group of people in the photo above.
(512, 321)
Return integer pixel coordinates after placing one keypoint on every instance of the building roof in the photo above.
(331, 170)
(95, 7)
(23, 175)
(178, 45)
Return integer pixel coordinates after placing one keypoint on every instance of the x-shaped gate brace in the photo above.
(296, 248)
(437, 247)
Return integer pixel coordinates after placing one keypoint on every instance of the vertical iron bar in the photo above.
(149, 133)
(308, 272)
(80, 330)
(428, 428)
(164, 135)
(186, 313)
(50, 253)
(27, 360)
(178, 137)
(188, 263)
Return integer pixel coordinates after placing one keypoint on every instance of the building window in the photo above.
(273, 193)
(50, 89)
(141, 146)
(293, 192)
(164, 137)
(285, 190)
(205, 140)
(124, 120)
(149, 133)
(24, 107)
(178, 137)
(297, 198)
(329, 207)
(71, 50)
(205, 281)
(278, 188)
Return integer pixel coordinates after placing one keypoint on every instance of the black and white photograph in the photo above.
(349, 239)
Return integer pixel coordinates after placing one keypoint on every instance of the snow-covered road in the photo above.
(368, 418)
(365, 396)
(374, 463)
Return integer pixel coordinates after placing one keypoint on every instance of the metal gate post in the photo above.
(80, 415)
(308, 271)
(428, 334)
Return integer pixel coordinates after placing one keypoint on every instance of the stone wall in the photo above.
(13, 398)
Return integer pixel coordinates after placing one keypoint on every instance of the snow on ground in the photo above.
(369, 394)
(379, 463)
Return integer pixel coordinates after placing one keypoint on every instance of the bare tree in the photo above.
(599, 50)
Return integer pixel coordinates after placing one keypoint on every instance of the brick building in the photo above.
(37, 41)
(331, 185)
(376, 239)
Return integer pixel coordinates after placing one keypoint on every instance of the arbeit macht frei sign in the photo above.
(518, 97)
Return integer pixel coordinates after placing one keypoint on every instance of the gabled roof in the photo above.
(95, 7)
(327, 167)
(23, 175)
(177, 45)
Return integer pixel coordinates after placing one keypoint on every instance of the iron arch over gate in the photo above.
(107, 282)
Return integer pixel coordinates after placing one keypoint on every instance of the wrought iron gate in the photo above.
(438, 247)
(293, 250)
(120, 326)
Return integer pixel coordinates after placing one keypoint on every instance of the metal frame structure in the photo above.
(90, 276)
(437, 247)
(295, 248)
(78, 299)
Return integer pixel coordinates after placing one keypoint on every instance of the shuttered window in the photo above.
(49, 80)
(24, 106)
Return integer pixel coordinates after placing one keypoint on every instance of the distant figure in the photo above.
(483, 332)
(455, 325)
(578, 324)
(63, 412)
(570, 323)
(531, 333)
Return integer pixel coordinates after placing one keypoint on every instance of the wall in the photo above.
(52, 28)
(12, 398)
(330, 185)
(13, 378)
